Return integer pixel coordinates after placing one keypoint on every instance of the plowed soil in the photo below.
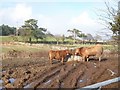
(39, 73)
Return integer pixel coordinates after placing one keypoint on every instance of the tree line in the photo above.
(6, 30)
(30, 29)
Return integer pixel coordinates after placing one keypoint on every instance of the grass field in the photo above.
(23, 48)
(19, 38)
(43, 47)
(46, 47)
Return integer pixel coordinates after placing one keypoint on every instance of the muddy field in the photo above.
(37, 72)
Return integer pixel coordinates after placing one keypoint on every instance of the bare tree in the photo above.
(111, 18)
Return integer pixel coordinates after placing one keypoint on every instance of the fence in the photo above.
(97, 86)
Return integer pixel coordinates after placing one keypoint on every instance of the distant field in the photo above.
(43, 47)
(6, 38)
(108, 47)
(19, 38)
(23, 48)
(46, 47)
(12, 38)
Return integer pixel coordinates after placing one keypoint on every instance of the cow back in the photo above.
(92, 51)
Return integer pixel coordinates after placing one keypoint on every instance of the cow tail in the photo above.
(49, 59)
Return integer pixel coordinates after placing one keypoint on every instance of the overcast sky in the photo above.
(56, 15)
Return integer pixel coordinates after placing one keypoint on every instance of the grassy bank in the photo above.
(43, 47)
(21, 39)
(32, 48)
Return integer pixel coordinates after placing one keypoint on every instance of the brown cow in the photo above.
(86, 52)
(58, 54)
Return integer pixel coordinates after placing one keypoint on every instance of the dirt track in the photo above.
(38, 73)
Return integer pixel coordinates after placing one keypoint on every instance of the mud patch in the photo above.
(39, 73)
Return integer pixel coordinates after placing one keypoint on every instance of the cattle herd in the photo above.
(84, 52)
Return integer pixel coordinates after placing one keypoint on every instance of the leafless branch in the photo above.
(109, 9)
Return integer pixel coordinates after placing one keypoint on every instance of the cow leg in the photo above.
(50, 61)
(99, 58)
(87, 59)
(83, 58)
(62, 60)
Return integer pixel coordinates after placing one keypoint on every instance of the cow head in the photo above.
(78, 51)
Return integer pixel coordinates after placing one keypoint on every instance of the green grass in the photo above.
(49, 38)
(23, 48)
(47, 47)
(6, 38)
(110, 47)
(13, 38)
(20, 38)
(105, 47)
(35, 49)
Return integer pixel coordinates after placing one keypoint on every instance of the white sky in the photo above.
(56, 16)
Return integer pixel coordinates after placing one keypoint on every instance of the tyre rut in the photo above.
(41, 77)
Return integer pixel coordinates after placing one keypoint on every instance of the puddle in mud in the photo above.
(62, 85)
(48, 82)
(28, 86)
(2, 88)
(1, 81)
(83, 79)
(12, 80)
(80, 81)
(3, 71)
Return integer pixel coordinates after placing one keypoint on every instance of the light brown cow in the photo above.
(58, 54)
(86, 52)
